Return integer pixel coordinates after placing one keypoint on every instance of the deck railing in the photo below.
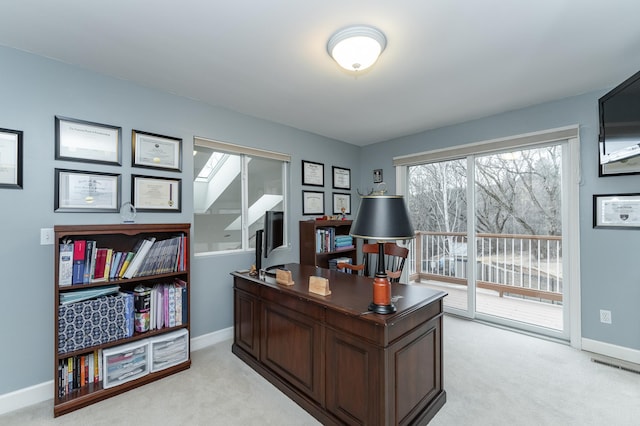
(526, 265)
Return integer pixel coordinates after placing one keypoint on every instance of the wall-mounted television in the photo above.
(619, 137)
(270, 237)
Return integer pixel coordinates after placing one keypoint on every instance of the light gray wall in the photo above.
(34, 90)
(609, 274)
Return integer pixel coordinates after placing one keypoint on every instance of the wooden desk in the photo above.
(338, 362)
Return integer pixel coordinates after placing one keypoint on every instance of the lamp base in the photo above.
(382, 309)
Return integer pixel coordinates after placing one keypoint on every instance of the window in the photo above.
(232, 188)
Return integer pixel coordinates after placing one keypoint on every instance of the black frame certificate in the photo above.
(616, 211)
(312, 173)
(156, 151)
(10, 159)
(313, 202)
(79, 140)
(341, 178)
(81, 191)
(151, 193)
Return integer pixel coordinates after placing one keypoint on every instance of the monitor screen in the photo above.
(273, 231)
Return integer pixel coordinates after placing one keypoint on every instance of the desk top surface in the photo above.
(351, 294)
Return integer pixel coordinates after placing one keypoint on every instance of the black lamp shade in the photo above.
(382, 218)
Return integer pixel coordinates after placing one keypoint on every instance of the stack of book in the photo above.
(333, 263)
(343, 242)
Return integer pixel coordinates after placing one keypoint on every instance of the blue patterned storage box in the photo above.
(94, 322)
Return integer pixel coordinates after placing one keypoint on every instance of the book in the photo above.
(125, 264)
(88, 261)
(65, 264)
(79, 251)
(107, 265)
(100, 262)
(138, 259)
(115, 263)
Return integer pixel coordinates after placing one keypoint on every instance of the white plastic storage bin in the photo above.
(124, 363)
(169, 349)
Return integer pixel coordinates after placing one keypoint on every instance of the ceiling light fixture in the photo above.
(356, 48)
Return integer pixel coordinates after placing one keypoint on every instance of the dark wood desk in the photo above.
(337, 361)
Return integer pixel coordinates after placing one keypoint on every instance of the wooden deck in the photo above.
(489, 302)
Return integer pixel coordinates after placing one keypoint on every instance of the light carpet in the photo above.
(492, 377)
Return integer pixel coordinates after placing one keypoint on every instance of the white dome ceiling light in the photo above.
(356, 48)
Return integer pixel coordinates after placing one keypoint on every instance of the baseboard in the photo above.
(613, 351)
(42, 392)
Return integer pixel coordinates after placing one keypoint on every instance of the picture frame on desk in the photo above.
(616, 211)
(156, 194)
(312, 173)
(86, 141)
(11, 148)
(156, 151)
(312, 202)
(82, 192)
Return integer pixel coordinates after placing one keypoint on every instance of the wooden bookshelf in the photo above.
(122, 237)
(309, 255)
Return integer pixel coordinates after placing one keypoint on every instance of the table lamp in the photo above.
(382, 218)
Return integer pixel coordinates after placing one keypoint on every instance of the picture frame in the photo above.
(156, 151)
(86, 141)
(312, 173)
(377, 176)
(83, 192)
(619, 211)
(11, 160)
(341, 200)
(156, 194)
(312, 202)
(629, 166)
(341, 178)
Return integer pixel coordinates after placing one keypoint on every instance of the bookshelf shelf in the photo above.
(309, 253)
(89, 388)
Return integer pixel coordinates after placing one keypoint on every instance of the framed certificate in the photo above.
(150, 193)
(78, 140)
(312, 173)
(313, 202)
(341, 178)
(616, 211)
(10, 159)
(80, 191)
(340, 202)
(156, 151)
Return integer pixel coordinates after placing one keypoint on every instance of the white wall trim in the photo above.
(613, 351)
(43, 392)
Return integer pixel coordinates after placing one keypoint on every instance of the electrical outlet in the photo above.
(605, 316)
(46, 236)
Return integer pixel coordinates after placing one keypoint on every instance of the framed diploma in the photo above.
(616, 211)
(79, 191)
(312, 173)
(156, 151)
(627, 166)
(10, 159)
(313, 202)
(159, 194)
(78, 140)
(341, 178)
(340, 202)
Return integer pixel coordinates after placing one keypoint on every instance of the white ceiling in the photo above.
(446, 61)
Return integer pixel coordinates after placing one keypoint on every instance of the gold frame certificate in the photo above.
(150, 193)
(79, 191)
(156, 151)
(616, 211)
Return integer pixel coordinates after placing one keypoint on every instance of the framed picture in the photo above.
(341, 178)
(627, 166)
(81, 191)
(312, 173)
(156, 151)
(616, 211)
(312, 202)
(377, 176)
(160, 194)
(341, 201)
(78, 140)
(11, 159)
